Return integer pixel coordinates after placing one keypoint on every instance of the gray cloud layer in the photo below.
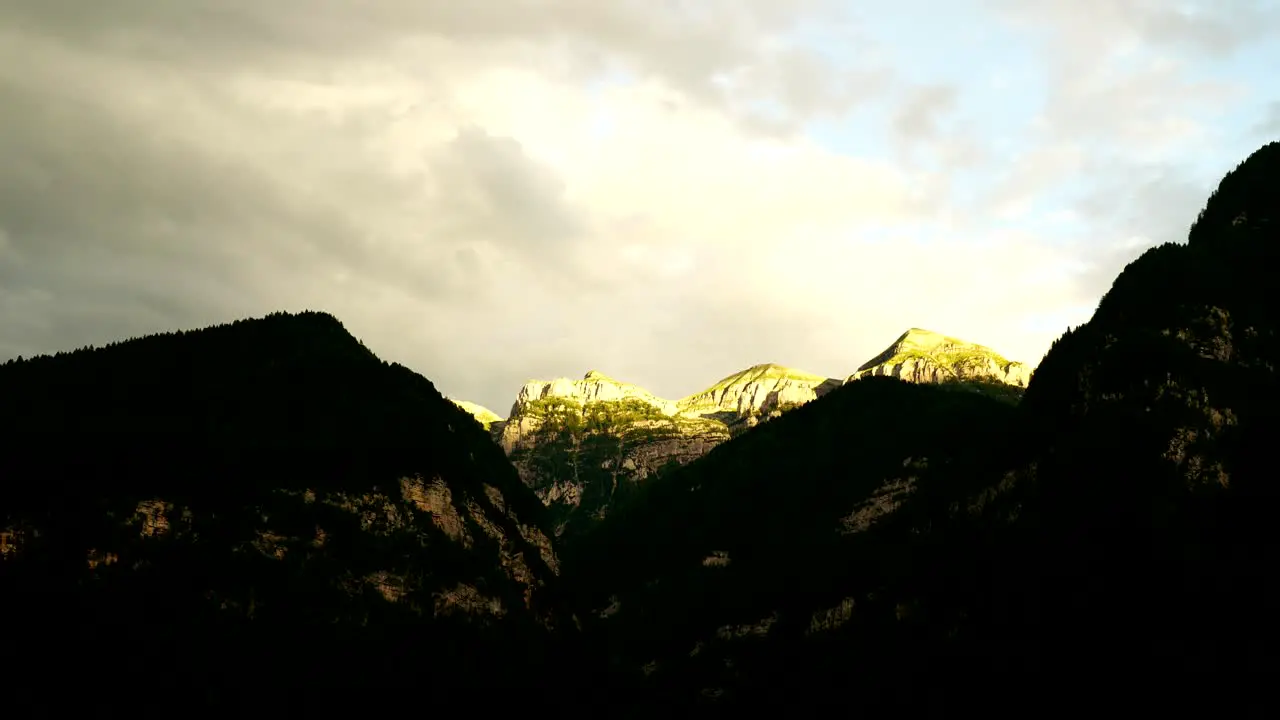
(174, 164)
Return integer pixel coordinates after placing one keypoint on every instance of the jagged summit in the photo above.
(920, 355)
(594, 386)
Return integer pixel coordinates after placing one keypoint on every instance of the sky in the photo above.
(666, 191)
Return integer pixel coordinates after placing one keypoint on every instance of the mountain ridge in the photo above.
(584, 444)
(920, 355)
(893, 540)
(265, 489)
(915, 340)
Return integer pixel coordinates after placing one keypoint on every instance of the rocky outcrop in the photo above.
(583, 445)
(923, 356)
(595, 386)
(537, 396)
(759, 391)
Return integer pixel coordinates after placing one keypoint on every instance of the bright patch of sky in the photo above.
(1255, 67)
(579, 193)
(1002, 81)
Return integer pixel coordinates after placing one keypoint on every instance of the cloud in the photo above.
(686, 48)
(491, 191)
(1030, 175)
(918, 117)
(1269, 126)
(1134, 99)
(1094, 28)
(1125, 74)
(445, 199)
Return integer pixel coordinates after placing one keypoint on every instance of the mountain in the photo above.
(890, 543)
(1158, 417)
(724, 574)
(264, 506)
(532, 400)
(582, 445)
(267, 511)
(483, 415)
(926, 356)
(741, 399)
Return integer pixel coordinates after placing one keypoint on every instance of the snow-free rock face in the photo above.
(538, 395)
(923, 356)
(758, 391)
(595, 386)
(582, 444)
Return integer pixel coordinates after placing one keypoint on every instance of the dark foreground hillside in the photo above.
(1110, 539)
(1155, 489)
(262, 509)
(798, 537)
(265, 512)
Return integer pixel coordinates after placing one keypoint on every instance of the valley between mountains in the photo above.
(265, 516)
(584, 445)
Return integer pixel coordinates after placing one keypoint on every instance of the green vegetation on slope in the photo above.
(588, 446)
(756, 373)
(924, 355)
(947, 351)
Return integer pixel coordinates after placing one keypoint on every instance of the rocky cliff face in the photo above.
(582, 445)
(762, 391)
(925, 356)
(594, 387)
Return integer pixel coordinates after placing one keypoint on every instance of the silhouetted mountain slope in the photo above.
(1115, 527)
(264, 503)
(713, 574)
(1159, 418)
